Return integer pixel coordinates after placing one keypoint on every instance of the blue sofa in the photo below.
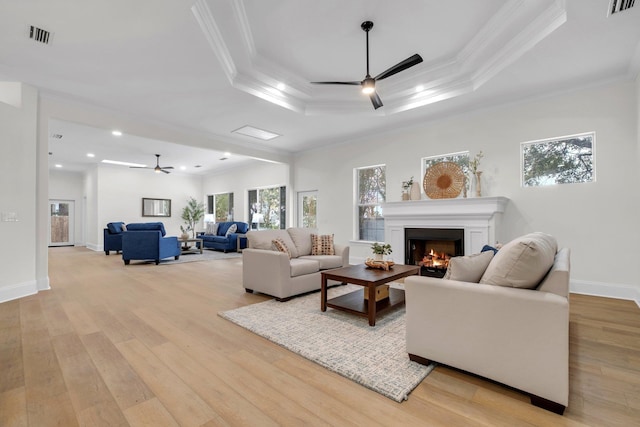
(147, 241)
(221, 241)
(112, 237)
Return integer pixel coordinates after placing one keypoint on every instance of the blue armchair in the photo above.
(112, 237)
(146, 242)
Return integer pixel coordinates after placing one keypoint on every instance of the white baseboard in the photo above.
(18, 290)
(94, 247)
(43, 284)
(607, 290)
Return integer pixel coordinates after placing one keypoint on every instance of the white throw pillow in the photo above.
(523, 262)
(212, 229)
(231, 230)
(468, 268)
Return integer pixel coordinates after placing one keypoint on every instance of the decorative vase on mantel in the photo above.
(415, 191)
(478, 174)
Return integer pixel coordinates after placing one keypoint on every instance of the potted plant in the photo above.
(192, 213)
(406, 187)
(380, 249)
(475, 173)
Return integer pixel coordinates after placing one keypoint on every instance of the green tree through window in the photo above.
(372, 193)
(565, 160)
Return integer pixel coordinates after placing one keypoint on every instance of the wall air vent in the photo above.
(617, 6)
(39, 35)
(56, 136)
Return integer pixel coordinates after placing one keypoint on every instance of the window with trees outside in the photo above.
(564, 160)
(268, 208)
(371, 184)
(220, 206)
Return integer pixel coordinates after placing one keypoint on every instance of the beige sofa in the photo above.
(518, 336)
(271, 272)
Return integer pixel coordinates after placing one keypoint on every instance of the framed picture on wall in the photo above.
(156, 207)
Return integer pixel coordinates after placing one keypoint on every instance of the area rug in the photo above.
(374, 357)
(207, 255)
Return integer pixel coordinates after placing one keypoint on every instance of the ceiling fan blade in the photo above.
(336, 83)
(375, 100)
(162, 170)
(167, 167)
(139, 167)
(401, 66)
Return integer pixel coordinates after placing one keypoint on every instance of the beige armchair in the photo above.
(518, 337)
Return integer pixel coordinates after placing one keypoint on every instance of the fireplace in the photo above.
(431, 248)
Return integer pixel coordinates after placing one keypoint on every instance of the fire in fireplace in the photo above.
(431, 248)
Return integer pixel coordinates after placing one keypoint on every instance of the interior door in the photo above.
(61, 223)
(307, 209)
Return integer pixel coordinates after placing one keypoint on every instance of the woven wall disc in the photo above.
(443, 180)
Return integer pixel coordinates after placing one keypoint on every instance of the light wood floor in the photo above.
(142, 345)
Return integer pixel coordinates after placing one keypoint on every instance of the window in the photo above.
(268, 208)
(372, 193)
(564, 160)
(461, 158)
(307, 209)
(220, 207)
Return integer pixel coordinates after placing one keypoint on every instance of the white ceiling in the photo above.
(213, 66)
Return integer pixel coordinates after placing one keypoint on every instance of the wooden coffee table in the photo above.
(360, 274)
(185, 248)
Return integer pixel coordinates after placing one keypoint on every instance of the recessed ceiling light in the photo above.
(116, 133)
(116, 162)
(227, 154)
(183, 168)
(256, 133)
(419, 88)
(280, 86)
(90, 155)
(58, 165)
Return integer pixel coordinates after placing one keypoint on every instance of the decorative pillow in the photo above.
(523, 262)
(231, 230)
(115, 227)
(468, 268)
(281, 246)
(489, 248)
(212, 229)
(124, 227)
(322, 244)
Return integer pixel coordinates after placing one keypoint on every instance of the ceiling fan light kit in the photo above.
(157, 168)
(368, 84)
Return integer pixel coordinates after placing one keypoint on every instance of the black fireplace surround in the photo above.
(421, 241)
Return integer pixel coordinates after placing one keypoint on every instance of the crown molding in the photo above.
(521, 24)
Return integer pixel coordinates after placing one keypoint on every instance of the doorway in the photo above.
(61, 222)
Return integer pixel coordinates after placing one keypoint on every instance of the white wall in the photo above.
(239, 181)
(69, 186)
(120, 191)
(18, 148)
(596, 220)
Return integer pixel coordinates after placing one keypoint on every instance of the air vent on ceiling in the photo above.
(56, 136)
(617, 6)
(223, 158)
(39, 35)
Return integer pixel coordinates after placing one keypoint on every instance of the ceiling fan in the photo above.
(369, 83)
(157, 169)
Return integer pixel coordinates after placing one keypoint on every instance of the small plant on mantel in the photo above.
(406, 185)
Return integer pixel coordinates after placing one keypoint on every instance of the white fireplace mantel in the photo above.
(479, 217)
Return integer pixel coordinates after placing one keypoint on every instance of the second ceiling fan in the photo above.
(369, 83)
